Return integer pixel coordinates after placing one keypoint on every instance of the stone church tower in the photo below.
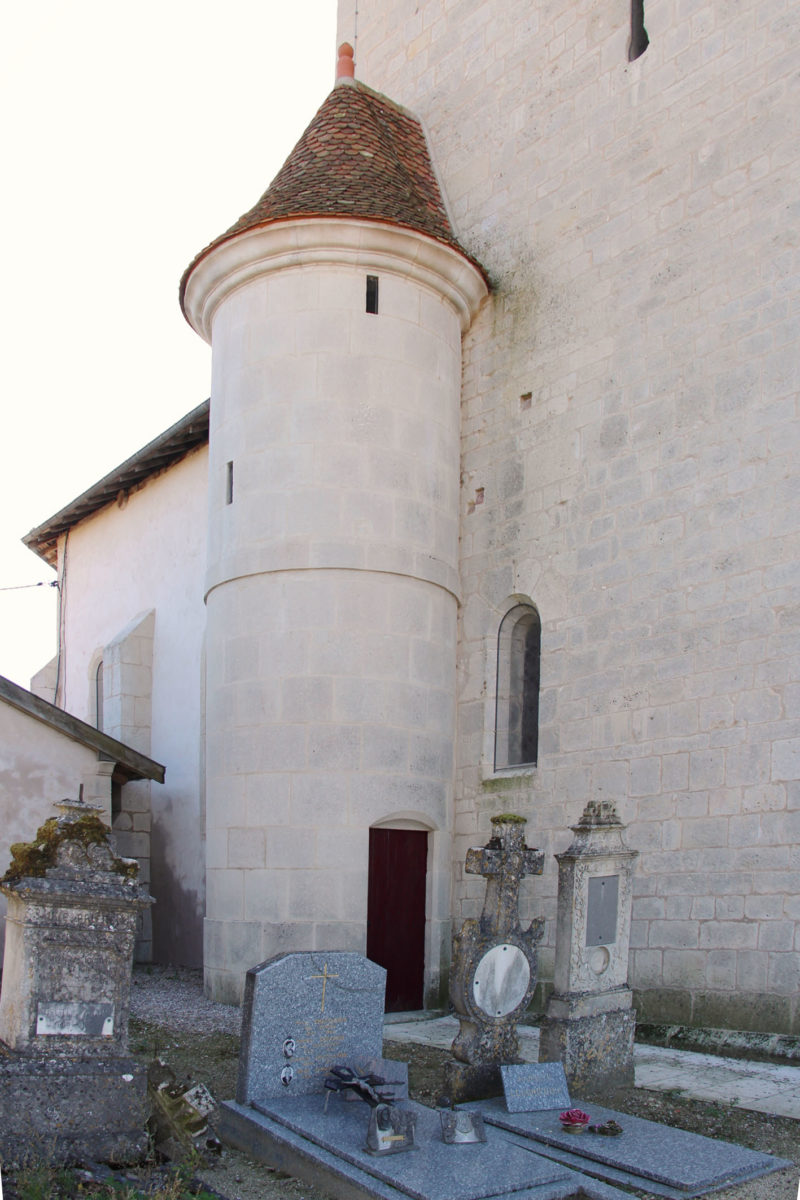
(630, 443)
(335, 310)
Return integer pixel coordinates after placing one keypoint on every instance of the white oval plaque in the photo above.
(501, 980)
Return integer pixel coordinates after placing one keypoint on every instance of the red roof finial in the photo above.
(345, 68)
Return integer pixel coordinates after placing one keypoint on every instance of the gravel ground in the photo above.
(172, 997)
(200, 1040)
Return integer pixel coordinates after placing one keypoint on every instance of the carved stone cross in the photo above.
(493, 975)
(503, 866)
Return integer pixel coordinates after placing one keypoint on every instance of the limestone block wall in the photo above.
(629, 451)
(127, 708)
(332, 578)
(128, 683)
(43, 683)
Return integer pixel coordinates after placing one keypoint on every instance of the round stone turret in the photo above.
(335, 309)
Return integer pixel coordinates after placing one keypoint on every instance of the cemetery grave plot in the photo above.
(301, 1008)
(212, 1057)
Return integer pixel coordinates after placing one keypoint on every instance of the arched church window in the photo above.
(519, 643)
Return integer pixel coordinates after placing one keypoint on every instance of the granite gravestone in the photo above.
(531, 1087)
(308, 1012)
(304, 1013)
(646, 1156)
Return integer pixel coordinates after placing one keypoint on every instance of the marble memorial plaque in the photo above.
(302, 1014)
(501, 980)
(74, 1018)
(534, 1087)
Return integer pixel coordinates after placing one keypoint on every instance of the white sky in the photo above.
(130, 136)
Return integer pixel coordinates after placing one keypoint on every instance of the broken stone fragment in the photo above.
(180, 1111)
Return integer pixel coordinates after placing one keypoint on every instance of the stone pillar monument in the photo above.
(493, 976)
(67, 1085)
(589, 1024)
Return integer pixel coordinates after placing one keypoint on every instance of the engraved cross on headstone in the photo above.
(324, 977)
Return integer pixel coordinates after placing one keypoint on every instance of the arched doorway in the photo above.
(398, 863)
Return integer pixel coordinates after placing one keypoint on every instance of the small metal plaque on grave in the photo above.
(391, 1130)
(74, 1018)
(601, 910)
(462, 1128)
(533, 1087)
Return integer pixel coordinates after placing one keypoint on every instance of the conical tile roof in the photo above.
(362, 156)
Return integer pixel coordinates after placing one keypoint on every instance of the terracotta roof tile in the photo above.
(362, 156)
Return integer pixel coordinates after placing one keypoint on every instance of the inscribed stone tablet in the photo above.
(531, 1087)
(303, 1014)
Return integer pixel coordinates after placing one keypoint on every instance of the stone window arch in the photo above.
(519, 645)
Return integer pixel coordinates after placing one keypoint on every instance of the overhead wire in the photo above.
(20, 587)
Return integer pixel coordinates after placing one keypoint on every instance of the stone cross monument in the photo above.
(589, 1023)
(493, 975)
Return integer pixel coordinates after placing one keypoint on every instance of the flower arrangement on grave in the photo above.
(574, 1120)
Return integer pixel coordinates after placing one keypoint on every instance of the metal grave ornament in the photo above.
(494, 963)
(461, 1128)
(391, 1130)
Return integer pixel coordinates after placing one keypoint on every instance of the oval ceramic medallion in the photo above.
(599, 960)
(501, 980)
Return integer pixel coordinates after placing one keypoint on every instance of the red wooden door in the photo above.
(398, 860)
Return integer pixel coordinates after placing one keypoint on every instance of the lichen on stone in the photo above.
(37, 857)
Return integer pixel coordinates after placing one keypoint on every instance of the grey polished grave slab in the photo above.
(302, 1014)
(328, 1149)
(647, 1155)
(529, 1087)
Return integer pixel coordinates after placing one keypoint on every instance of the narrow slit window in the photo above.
(519, 644)
(639, 39)
(229, 483)
(372, 293)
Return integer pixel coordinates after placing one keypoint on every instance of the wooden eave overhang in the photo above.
(129, 763)
(163, 452)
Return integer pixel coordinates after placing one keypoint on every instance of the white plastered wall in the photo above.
(39, 767)
(144, 555)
